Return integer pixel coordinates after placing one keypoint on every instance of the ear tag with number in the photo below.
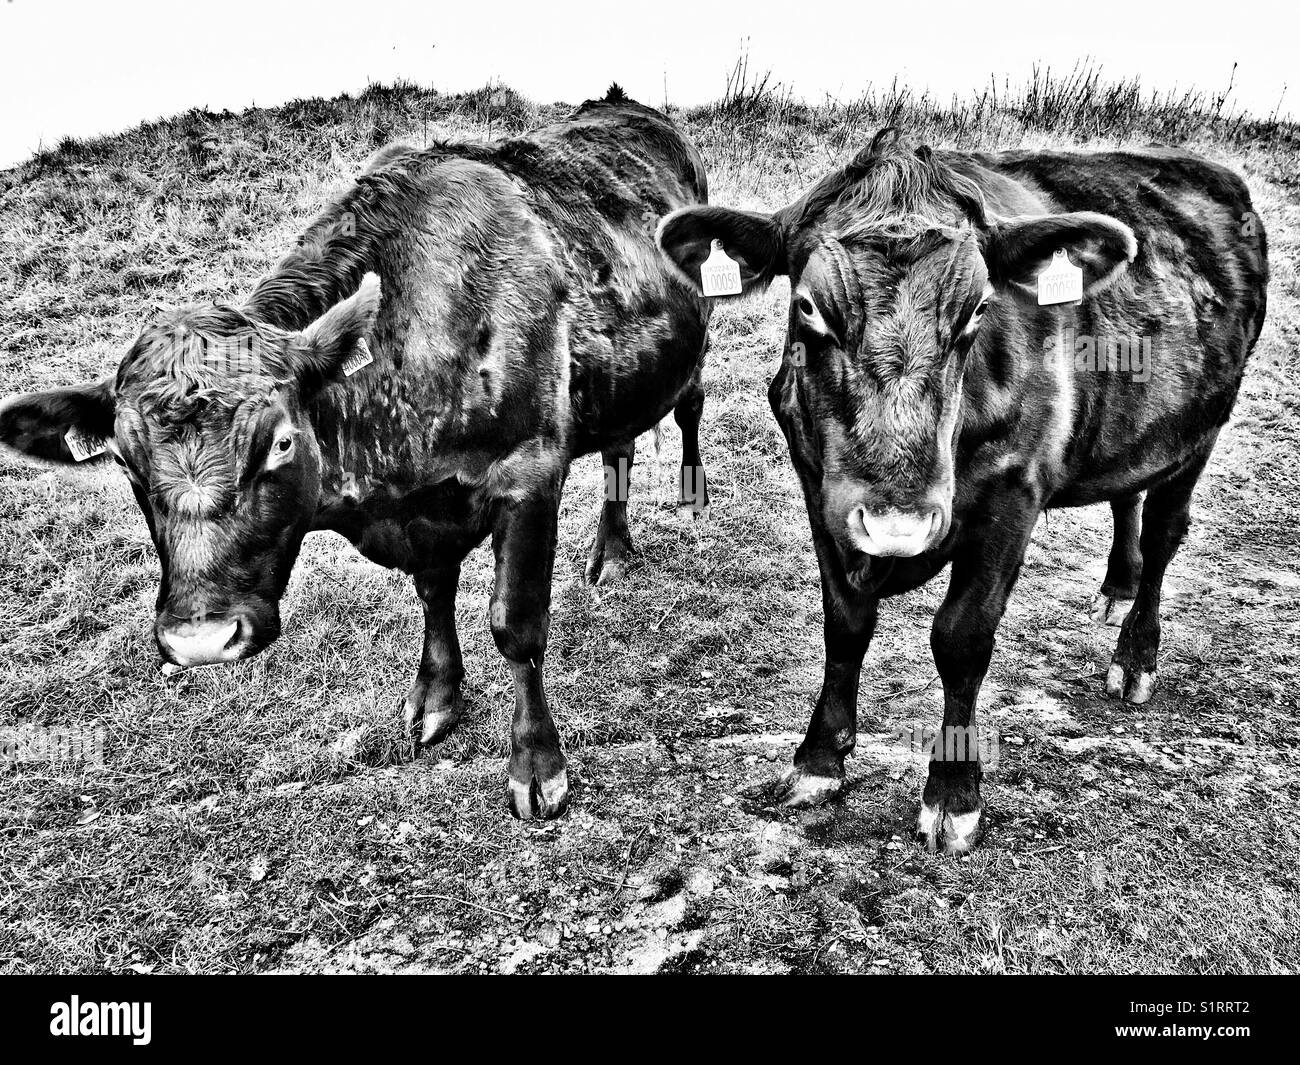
(359, 358)
(1061, 282)
(720, 274)
(83, 446)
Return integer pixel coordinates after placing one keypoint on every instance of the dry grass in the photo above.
(271, 815)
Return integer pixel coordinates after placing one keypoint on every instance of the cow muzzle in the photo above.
(203, 643)
(893, 533)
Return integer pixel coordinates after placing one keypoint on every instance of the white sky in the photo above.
(82, 67)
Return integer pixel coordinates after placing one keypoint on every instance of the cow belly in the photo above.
(627, 392)
(1126, 458)
(1120, 481)
(447, 513)
(626, 412)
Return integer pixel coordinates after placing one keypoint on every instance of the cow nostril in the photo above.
(240, 635)
(893, 531)
(203, 643)
(936, 523)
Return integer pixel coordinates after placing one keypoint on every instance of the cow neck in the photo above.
(324, 268)
(357, 436)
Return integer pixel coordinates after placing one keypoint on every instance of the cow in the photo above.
(417, 373)
(934, 408)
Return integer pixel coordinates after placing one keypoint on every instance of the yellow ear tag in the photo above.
(82, 446)
(720, 274)
(1061, 282)
(359, 358)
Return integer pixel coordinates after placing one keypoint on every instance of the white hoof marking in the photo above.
(552, 795)
(441, 721)
(555, 791)
(959, 832)
(1115, 680)
(1141, 688)
(807, 790)
(1107, 610)
(927, 823)
(520, 799)
(1119, 610)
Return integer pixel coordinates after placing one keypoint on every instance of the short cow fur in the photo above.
(934, 409)
(516, 314)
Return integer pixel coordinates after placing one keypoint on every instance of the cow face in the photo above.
(878, 332)
(895, 269)
(206, 417)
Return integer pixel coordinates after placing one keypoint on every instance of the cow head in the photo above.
(895, 267)
(206, 417)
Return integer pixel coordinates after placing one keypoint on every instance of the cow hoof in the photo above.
(606, 572)
(953, 834)
(435, 722)
(606, 567)
(536, 799)
(438, 725)
(696, 513)
(1133, 686)
(1110, 611)
(799, 788)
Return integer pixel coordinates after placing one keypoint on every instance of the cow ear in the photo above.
(755, 241)
(1017, 250)
(62, 425)
(340, 337)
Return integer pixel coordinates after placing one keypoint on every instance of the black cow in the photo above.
(934, 409)
(526, 318)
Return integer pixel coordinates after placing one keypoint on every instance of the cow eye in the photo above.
(810, 316)
(979, 311)
(282, 449)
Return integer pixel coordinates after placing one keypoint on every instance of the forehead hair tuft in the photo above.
(211, 357)
(892, 188)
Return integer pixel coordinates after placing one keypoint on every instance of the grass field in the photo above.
(270, 815)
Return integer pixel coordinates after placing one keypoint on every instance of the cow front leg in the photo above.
(524, 544)
(694, 495)
(1166, 517)
(962, 638)
(850, 621)
(1111, 605)
(434, 703)
(607, 559)
(818, 770)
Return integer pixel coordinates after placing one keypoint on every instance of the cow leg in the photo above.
(608, 556)
(524, 543)
(818, 770)
(694, 486)
(1111, 605)
(962, 638)
(435, 701)
(1166, 517)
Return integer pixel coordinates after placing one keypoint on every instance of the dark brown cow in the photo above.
(515, 313)
(934, 409)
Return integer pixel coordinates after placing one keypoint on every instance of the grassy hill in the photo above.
(271, 816)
